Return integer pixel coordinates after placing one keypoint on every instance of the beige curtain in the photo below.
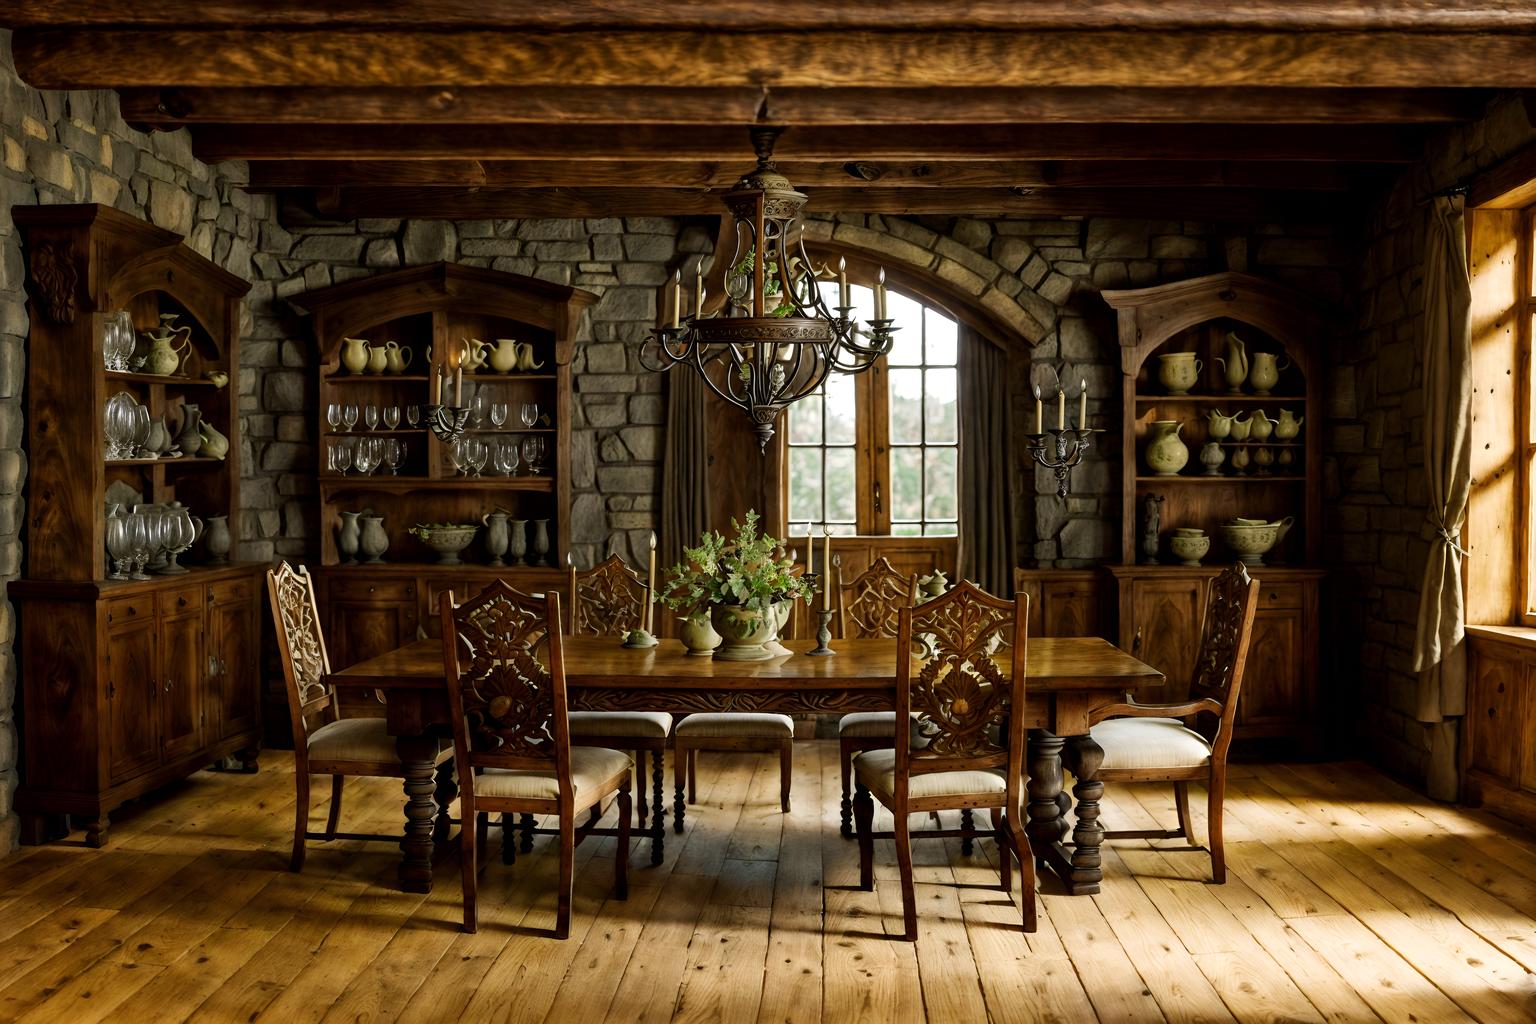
(1439, 651)
(684, 467)
(986, 466)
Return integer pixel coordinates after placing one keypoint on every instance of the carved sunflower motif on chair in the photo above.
(960, 692)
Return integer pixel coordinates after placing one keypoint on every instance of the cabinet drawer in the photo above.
(371, 590)
(231, 591)
(1280, 595)
(182, 599)
(129, 609)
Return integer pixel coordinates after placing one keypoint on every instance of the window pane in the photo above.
(906, 485)
(940, 410)
(942, 480)
(805, 421)
(906, 387)
(941, 530)
(842, 503)
(842, 411)
(906, 530)
(907, 312)
(940, 334)
(907, 342)
(805, 485)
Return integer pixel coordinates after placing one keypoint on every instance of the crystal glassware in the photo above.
(118, 545)
(365, 458)
(479, 409)
(333, 416)
(391, 416)
(499, 412)
(393, 452)
(528, 413)
(136, 527)
(505, 457)
(478, 452)
(531, 454)
(413, 415)
(342, 458)
(349, 415)
(371, 416)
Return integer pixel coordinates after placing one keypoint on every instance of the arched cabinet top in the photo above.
(1148, 317)
(345, 310)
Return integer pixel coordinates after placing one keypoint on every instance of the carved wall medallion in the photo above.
(54, 280)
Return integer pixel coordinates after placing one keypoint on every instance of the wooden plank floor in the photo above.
(1349, 899)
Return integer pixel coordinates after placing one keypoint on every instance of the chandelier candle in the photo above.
(650, 585)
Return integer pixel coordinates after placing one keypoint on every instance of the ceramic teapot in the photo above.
(215, 444)
(525, 359)
(1220, 424)
(1288, 425)
(1235, 366)
(354, 354)
(1264, 371)
(396, 357)
(503, 355)
(165, 354)
(473, 354)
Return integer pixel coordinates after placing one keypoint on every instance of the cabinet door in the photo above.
(1162, 628)
(1273, 700)
(233, 676)
(363, 620)
(1069, 609)
(1494, 713)
(183, 676)
(133, 734)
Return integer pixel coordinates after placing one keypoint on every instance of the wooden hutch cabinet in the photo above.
(1155, 610)
(370, 608)
(126, 684)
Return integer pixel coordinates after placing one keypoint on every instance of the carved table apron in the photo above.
(1066, 678)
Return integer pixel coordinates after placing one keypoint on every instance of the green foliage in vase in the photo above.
(750, 570)
(771, 283)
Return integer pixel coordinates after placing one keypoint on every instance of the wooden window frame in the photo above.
(1525, 389)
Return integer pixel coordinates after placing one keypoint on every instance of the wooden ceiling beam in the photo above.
(739, 15)
(276, 174)
(481, 203)
(178, 107)
(673, 143)
(116, 58)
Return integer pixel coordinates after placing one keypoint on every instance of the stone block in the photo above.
(490, 247)
(335, 248)
(626, 304)
(560, 250)
(644, 443)
(650, 225)
(647, 409)
(583, 458)
(283, 391)
(604, 410)
(1178, 247)
(613, 383)
(649, 248)
(1080, 343)
(607, 247)
(653, 274)
(975, 234)
(428, 241)
(606, 358)
(1055, 289)
(378, 226)
(611, 449)
(562, 230)
(1011, 253)
(51, 163)
(1087, 539)
(633, 479)
(14, 156)
(972, 260)
(895, 249)
(1114, 236)
(960, 276)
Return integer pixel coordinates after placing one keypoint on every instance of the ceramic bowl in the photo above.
(447, 541)
(1250, 542)
(1189, 549)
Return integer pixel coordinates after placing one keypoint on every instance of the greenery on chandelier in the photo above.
(751, 570)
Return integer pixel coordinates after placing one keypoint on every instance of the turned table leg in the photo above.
(417, 754)
(1043, 827)
(1083, 758)
(658, 812)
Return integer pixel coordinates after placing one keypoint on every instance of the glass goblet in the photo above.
(479, 409)
(333, 415)
(343, 458)
(531, 454)
(371, 416)
(391, 416)
(413, 415)
(478, 451)
(349, 415)
(392, 454)
(498, 413)
(528, 413)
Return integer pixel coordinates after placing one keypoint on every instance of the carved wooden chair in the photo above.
(867, 606)
(323, 742)
(507, 699)
(1165, 742)
(968, 747)
(609, 600)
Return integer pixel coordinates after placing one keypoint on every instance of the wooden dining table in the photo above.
(1066, 679)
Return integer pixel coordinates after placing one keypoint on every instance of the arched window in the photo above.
(877, 453)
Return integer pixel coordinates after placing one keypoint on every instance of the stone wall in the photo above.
(73, 147)
(1376, 498)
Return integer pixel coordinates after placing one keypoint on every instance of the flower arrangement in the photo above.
(752, 570)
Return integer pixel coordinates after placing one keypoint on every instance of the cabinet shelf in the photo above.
(374, 378)
(1251, 478)
(156, 378)
(183, 460)
(405, 485)
(1154, 399)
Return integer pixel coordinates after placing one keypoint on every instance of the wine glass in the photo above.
(531, 454)
(118, 546)
(478, 452)
(333, 415)
(139, 544)
(343, 458)
(413, 415)
(366, 458)
(456, 455)
(479, 408)
(392, 416)
(529, 413)
(393, 451)
(349, 415)
(505, 459)
(371, 416)
(499, 412)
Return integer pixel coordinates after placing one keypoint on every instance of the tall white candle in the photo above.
(650, 585)
(826, 568)
(1039, 412)
(842, 282)
(698, 291)
(1082, 406)
(1061, 409)
(880, 295)
(677, 297)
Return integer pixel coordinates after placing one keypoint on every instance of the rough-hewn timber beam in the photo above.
(175, 107)
(1286, 15)
(1362, 143)
(275, 174)
(448, 203)
(116, 58)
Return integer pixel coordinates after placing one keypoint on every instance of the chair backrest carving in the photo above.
(607, 600)
(1231, 600)
(964, 682)
(869, 603)
(306, 665)
(502, 655)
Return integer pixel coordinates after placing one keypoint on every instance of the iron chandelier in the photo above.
(775, 337)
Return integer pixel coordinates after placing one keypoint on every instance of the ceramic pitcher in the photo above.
(165, 353)
(525, 361)
(1220, 425)
(1179, 371)
(496, 536)
(348, 537)
(378, 359)
(216, 539)
(1235, 366)
(1166, 454)
(1265, 371)
(354, 354)
(396, 357)
(374, 540)
(473, 353)
(1240, 428)
(1263, 426)
(1288, 425)
(215, 444)
(503, 355)
(188, 439)
(517, 539)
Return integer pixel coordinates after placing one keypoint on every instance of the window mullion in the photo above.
(879, 446)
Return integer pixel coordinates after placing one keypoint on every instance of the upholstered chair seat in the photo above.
(640, 724)
(1151, 743)
(717, 726)
(359, 739)
(729, 731)
(875, 770)
(592, 769)
(868, 725)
